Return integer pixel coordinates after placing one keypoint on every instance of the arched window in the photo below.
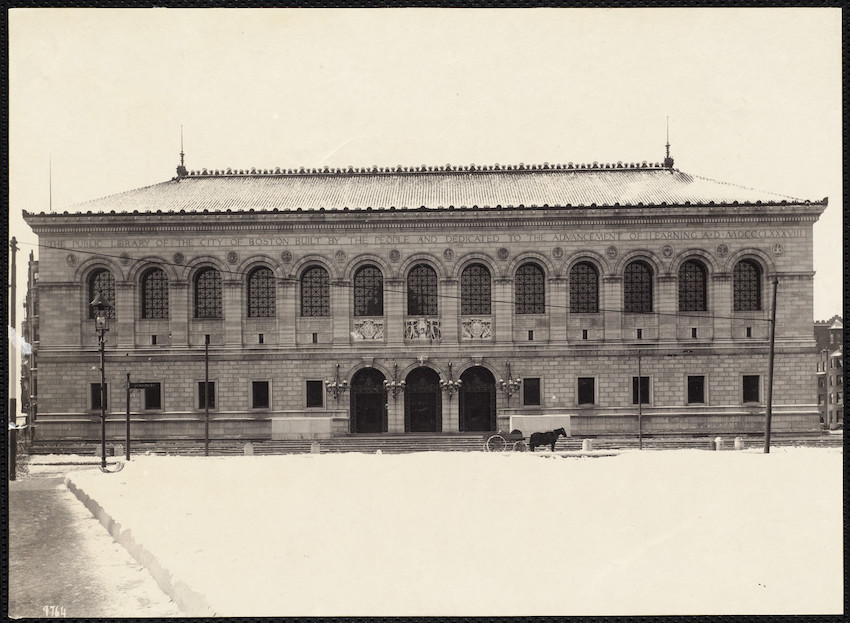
(155, 294)
(315, 292)
(584, 288)
(530, 290)
(261, 293)
(692, 286)
(637, 288)
(422, 291)
(208, 293)
(101, 281)
(746, 286)
(475, 290)
(368, 291)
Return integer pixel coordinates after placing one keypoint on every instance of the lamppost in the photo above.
(101, 326)
(450, 385)
(336, 387)
(395, 386)
(509, 385)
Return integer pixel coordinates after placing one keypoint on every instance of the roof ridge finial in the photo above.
(181, 170)
(668, 161)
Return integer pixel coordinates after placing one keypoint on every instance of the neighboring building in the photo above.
(29, 353)
(544, 289)
(829, 337)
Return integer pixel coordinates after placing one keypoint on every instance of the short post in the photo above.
(587, 445)
(739, 443)
(718, 443)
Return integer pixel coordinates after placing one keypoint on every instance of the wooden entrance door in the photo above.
(368, 402)
(477, 400)
(422, 402)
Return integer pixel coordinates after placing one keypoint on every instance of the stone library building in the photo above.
(315, 303)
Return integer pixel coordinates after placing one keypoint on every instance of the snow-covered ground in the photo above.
(672, 532)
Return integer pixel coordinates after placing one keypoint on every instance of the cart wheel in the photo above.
(495, 443)
(520, 446)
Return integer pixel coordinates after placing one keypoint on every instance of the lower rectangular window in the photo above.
(531, 391)
(640, 390)
(96, 396)
(153, 398)
(696, 390)
(202, 395)
(751, 388)
(260, 394)
(586, 390)
(315, 393)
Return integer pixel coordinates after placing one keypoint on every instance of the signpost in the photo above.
(131, 387)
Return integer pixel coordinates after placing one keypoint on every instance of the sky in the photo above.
(98, 97)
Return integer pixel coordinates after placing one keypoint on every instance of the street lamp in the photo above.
(395, 386)
(450, 385)
(337, 386)
(508, 384)
(101, 326)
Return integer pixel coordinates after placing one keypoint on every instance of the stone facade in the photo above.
(273, 369)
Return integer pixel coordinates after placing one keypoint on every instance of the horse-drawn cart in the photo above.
(499, 442)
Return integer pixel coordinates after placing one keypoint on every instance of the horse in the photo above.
(546, 439)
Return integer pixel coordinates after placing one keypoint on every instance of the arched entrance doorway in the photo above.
(422, 402)
(477, 400)
(368, 402)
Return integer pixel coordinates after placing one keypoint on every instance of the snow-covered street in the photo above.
(674, 532)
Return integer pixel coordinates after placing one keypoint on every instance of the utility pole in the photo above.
(640, 407)
(769, 411)
(207, 395)
(13, 402)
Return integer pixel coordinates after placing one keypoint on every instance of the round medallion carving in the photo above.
(124, 258)
(395, 255)
(178, 258)
(503, 253)
(612, 252)
(777, 249)
(667, 250)
(232, 257)
(286, 257)
(558, 253)
(71, 259)
(722, 250)
(448, 255)
(340, 255)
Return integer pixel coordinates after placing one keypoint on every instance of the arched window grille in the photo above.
(208, 293)
(261, 293)
(315, 292)
(475, 290)
(368, 292)
(155, 294)
(746, 286)
(692, 287)
(637, 288)
(102, 281)
(422, 291)
(584, 288)
(530, 290)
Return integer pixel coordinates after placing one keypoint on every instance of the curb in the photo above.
(189, 601)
